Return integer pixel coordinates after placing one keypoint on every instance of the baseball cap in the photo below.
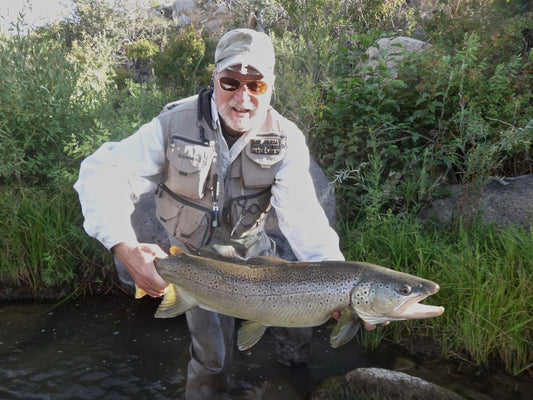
(247, 48)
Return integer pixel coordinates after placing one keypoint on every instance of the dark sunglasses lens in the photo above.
(229, 84)
(256, 87)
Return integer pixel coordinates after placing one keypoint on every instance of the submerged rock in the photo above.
(380, 384)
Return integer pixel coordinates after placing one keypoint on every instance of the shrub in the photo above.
(39, 98)
(454, 116)
(141, 50)
(183, 62)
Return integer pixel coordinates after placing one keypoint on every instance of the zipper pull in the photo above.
(216, 212)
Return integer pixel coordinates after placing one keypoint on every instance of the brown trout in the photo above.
(272, 292)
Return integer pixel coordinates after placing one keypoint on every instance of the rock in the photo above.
(182, 21)
(505, 202)
(180, 6)
(391, 51)
(378, 383)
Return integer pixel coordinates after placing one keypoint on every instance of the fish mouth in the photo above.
(412, 309)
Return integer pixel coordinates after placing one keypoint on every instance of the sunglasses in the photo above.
(254, 87)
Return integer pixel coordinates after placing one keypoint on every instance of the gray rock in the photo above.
(505, 202)
(180, 6)
(378, 383)
(392, 50)
(182, 21)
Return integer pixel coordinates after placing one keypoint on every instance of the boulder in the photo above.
(378, 383)
(392, 50)
(180, 6)
(504, 202)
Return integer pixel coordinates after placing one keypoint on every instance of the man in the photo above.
(219, 160)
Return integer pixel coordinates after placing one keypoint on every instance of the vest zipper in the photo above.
(183, 200)
(188, 140)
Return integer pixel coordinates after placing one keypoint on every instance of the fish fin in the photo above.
(174, 250)
(265, 261)
(139, 292)
(249, 334)
(345, 329)
(173, 304)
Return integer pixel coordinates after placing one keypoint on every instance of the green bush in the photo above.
(141, 50)
(182, 64)
(445, 116)
(39, 101)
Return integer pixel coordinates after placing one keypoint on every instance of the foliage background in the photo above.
(458, 112)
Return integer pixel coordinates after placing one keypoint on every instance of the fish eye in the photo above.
(405, 290)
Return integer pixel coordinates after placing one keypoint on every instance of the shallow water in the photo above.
(113, 348)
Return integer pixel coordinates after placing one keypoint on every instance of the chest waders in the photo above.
(209, 204)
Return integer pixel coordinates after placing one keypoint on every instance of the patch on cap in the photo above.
(247, 48)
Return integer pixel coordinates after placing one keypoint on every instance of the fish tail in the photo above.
(139, 292)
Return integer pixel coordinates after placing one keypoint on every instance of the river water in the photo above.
(113, 348)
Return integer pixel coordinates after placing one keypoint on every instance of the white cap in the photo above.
(247, 48)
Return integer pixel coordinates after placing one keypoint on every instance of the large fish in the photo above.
(271, 292)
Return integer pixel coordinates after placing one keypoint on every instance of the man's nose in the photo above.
(242, 93)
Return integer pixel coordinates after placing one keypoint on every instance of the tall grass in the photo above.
(43, 244)
(486, 279)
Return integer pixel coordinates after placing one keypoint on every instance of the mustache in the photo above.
(238, 105)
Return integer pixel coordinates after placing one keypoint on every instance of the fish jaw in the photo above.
(394, 296)
(413, 309)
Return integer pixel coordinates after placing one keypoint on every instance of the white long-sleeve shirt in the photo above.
(112, 179)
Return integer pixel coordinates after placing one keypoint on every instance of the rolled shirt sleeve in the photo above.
(112, 179)
(301, 218)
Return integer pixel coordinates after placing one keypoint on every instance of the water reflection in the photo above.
(113, 348)
(90, 350)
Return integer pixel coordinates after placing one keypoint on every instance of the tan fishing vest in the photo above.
(203, 200)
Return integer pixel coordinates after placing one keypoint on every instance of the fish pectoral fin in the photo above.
(173, 304)
(345, 329)
(249, 334)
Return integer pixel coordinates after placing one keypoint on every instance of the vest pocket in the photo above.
(261, 160)
(248, 212)
(188, 167)
(188, 222)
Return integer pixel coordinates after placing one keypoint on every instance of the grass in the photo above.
(486, 279)
(43, 244)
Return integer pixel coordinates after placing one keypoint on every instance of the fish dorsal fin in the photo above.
(174, 250)
(265, 261)
(345, 329)
(249, 334)
(173, 304)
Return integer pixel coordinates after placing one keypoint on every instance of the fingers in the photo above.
(138, 258)
(368, 327)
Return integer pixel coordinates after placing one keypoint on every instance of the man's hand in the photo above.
(138, 258)
(368, 327)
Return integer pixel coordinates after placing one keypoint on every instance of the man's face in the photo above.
(239, 109)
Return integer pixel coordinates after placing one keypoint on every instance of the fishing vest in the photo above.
(204, 199)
